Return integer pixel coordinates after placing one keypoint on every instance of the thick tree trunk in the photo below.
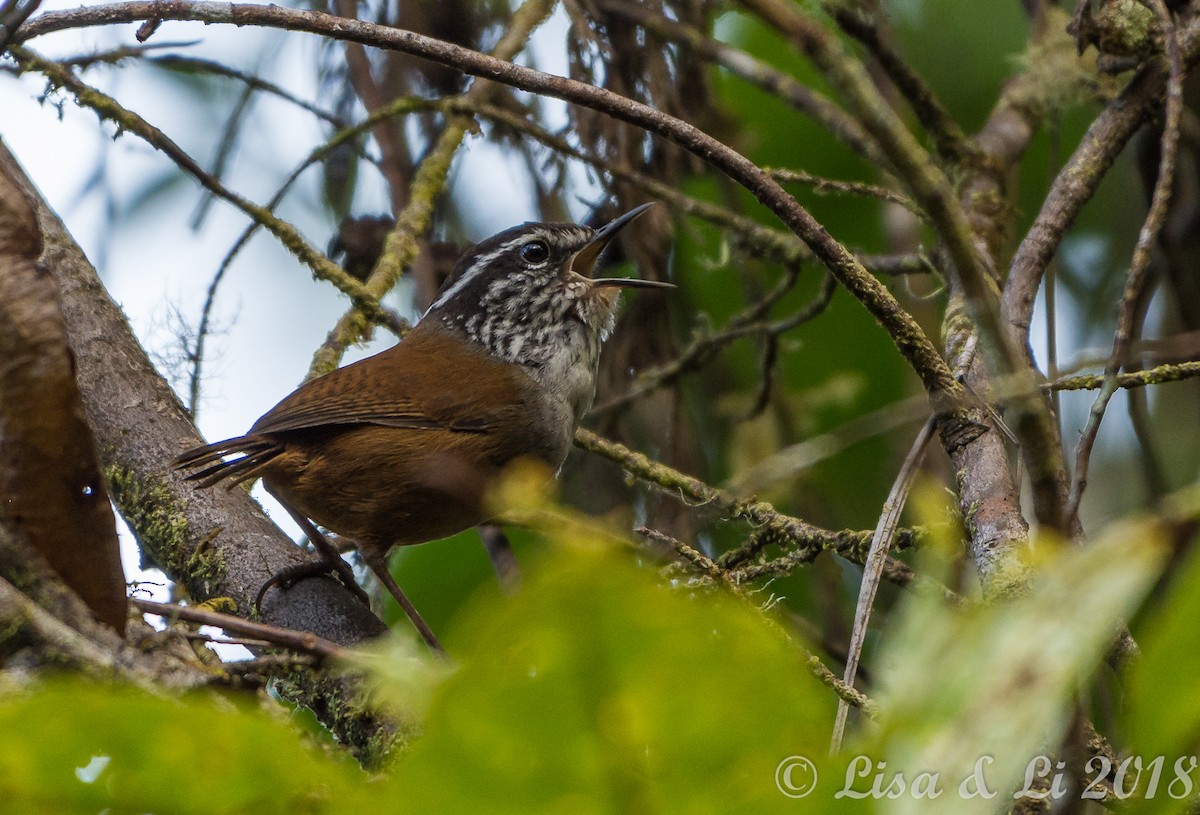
(216, 543)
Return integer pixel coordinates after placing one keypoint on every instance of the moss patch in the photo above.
(157, 520)
(340, 704)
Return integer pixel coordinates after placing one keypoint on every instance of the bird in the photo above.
(399, 448)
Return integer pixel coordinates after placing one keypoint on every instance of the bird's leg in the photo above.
(329, 561)
(500, 553)
(377, 560)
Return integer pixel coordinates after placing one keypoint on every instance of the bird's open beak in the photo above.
(584, 260)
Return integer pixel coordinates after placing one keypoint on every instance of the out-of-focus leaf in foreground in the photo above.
(1162, 710)
(599, 688)
(74, 746)
(998, 680)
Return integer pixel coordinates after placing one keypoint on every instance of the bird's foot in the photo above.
(286, 577)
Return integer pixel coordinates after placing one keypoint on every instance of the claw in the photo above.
(285, 578)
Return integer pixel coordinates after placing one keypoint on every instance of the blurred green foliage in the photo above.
(600, 688)
(74, 746)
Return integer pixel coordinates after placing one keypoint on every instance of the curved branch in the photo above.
(108, 108)
(1139, 266)
(1079, 178)
(906, 333)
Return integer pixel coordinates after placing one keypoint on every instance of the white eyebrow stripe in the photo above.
(474, 271)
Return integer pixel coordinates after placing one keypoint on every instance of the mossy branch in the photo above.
(771, 526)
(109, 109)
(402, 244)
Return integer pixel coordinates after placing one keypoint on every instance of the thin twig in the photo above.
(108, 108)
(846, 694)
(270, 665)
(1139, 267)
(837, 186)
(885, 531)
(186, 64)
(226, 145)
(302, 641)
(702, 562)
(1171, 372)
(913, 263)
(703, 346)
(112, 56)
(895, 571)
(766, 379)
(245, 642)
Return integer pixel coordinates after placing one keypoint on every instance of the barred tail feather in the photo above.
(254, 452)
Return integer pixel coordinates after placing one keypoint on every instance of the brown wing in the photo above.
(431, 379)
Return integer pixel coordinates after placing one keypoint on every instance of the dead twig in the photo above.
(302, 641)
(1139, 266)
(885, 531)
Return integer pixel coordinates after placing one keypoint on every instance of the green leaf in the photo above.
(999, 680)
(1162, 714)
(75, 746)
(600, 689)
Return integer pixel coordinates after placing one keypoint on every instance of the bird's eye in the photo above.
(535, 252)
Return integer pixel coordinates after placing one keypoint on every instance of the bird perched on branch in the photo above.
(399, 448)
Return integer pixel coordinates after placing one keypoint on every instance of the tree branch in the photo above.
(303, 641)
(906, 333)
(53, 494)
(402, 243)
(1139, 267)
(216, 543)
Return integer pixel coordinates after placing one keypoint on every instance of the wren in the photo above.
(399, 448)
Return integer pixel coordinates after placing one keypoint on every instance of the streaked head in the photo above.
(526, 286)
